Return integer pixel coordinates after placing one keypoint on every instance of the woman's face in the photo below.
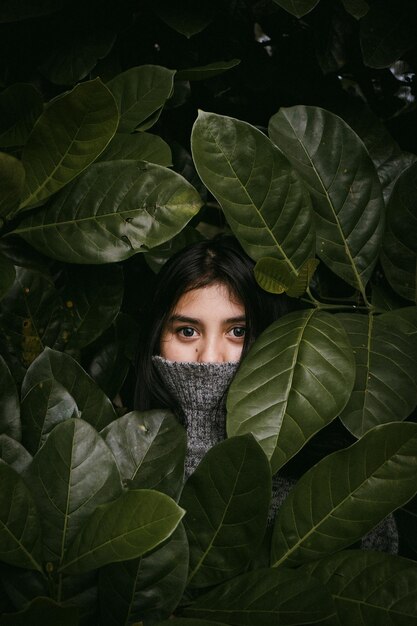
(207, 325)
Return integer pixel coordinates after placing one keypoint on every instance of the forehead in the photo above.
(209, 300)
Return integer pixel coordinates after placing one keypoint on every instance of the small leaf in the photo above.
(346, 494)
(299, 8)
(14, 454)
(369, 587)
(70, 476)
(135, 523)
(149, 449)
(19, 522)
(260, 194)
(43, 612)
(296, 378)
(300, 284)
(227, 500)
(344, 186)
(9, 404)
(185, 16)
(122, 206)
(203, 72)
(7, 275)
(140, 93)
(273, 276)
(72, 131)
(357, 8)
(12, 180)
(385, 388)
(264, 597)
(139, 147)
(20, 106)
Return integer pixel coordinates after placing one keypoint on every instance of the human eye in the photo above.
(238, 331)
(186, 331)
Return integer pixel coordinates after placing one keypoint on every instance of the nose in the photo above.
(211, 351)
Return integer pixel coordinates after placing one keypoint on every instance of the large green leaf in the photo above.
(357, 8)
(149, 449)
(385, 388)
(146, 589)
(346, 494)
(32, 316)
(7, 275)
(387, 31)
(69, 135)
(206, 71)
(264, 597)
(262, 197)
(399, 253)
(113, 211)
(345, 189)
(20, 106)
(43, 612)
(138, 146)
(140, 93)
(226, 500)
(135, 523)
(51, 382)
(370, 587)
(93, 296)
(71, 474)
(185, 16)
(20, 530)
(296, 378)
(12, 180)
(14, 454)
(299, 8)
(9, 404)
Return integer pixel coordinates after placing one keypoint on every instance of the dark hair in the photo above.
(220, 260)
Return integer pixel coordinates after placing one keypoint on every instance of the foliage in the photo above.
(127, 132)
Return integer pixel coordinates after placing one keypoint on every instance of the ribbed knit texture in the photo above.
(200, 390)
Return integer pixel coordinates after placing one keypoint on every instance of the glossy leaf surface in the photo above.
(262, 197)
(149, 448)
(14, 454)
(72, 474)
(69, 135)
(19, 522)
(113, 211)
(385, 388)
(296, 378)
(370, 587)
(20, 106)
(47, 407)
(145, 589)
(299, 8)
(126, 528)
(265, 597)
(9, 404)
(346, 494)
(399, 253)
(138, 146)
(226, 500)
(140, 93)
(344, 186)
(12, 180)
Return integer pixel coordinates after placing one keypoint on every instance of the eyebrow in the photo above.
(193, 320)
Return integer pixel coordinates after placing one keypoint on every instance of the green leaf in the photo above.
(9, 404)
(135, 523)
(69, 135)
(14, 454)
(387, 31)
(7, 275)
(71, 474)
(346, 494)
(12, 180)
(296, 378)
(113, 211)
(93, 296)
(10, 11)
(139, 147)
(273, 276)
(19, 522)
(299, 8)
(405, 320)
(203, 72)
(140, 93)
(45, 405)
(20, 106)
(399, 252)
(227, 500)
(149, 449)
(262, 197)
(344, 186)
(43, 612)
(264, 597)
(357, 8)
(146, 589)
(32, 316)
(158, 256)
(185, 16)
(385, 388)
(370, 587)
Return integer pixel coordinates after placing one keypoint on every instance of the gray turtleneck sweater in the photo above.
(200, 389)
